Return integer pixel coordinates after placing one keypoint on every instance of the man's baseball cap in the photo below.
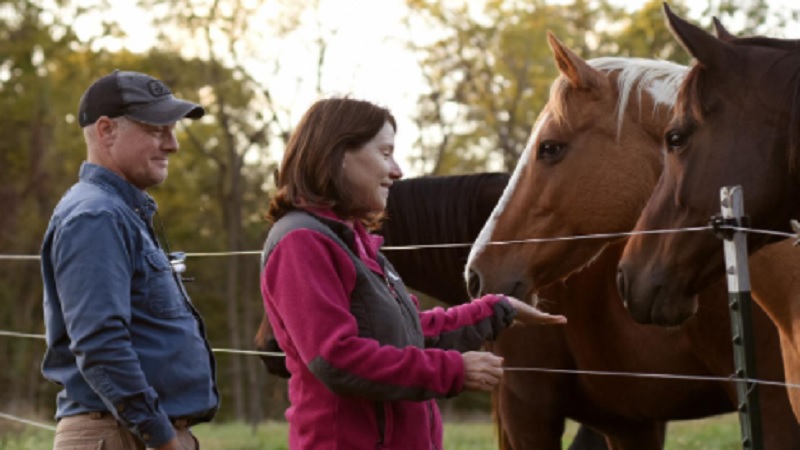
(134, 95)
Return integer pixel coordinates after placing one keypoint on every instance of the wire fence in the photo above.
(730, 379)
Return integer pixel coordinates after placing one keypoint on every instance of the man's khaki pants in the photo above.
(100, 431)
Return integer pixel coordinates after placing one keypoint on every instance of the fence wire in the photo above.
(470, 244)
(730, 379)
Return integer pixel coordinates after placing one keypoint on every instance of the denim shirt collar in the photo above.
(137, 199)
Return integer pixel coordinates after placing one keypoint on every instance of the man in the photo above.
(123, 339)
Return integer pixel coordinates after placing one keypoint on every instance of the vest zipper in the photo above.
(403, 307)
(390, 287)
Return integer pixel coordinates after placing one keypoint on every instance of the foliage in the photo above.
(42, 147)
(488, 66)
(489, 74)
(646, 36)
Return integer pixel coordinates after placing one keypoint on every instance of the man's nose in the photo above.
(170, 141)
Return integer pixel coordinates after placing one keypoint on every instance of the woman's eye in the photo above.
(550, 150)
(675, 140)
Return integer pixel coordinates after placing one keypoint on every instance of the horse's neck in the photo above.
(775, 282)
(775, 279)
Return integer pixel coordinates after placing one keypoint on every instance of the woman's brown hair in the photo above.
(311, 171)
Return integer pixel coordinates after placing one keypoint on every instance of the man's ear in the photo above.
(105, 130)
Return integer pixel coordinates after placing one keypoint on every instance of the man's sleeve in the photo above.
(93, 270)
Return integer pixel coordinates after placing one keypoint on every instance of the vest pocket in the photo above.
(384, 417)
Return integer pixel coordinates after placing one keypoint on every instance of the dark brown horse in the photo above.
(736, 124)
(590, 165)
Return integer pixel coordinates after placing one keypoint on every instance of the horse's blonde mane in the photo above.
(660, 79)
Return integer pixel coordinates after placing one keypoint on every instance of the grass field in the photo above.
(718, 433)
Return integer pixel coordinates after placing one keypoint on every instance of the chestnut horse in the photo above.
(591, 163)
(736, 124)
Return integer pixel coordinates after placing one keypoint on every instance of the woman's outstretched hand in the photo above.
(529, 315)
(482, 370)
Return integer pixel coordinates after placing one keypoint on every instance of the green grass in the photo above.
(718, 433)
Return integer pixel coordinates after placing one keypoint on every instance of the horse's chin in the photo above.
(533, 296)
(556, 275)
(528, 293)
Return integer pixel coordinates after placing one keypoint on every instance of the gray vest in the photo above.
(382, 306)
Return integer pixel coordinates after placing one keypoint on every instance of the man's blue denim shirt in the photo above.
(122, 334)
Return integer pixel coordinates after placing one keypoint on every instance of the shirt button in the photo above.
(121, 407)
(146, 437)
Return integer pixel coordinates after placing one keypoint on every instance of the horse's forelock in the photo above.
(661, 80)
(689, 104)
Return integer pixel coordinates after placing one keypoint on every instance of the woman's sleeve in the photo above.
(308, 279)
(466, 327)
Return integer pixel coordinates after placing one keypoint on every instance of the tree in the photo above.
(37, 69)
(489, 72)
(489, 68)
(244, 123)
(45, 68)
(644, 34)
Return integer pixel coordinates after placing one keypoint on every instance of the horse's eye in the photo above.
(550, 150)
(675, 140)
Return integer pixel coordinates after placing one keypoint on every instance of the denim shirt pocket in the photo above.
(164, 298)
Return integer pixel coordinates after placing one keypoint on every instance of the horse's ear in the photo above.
(572, 66)
(721, 32)
(709, 51)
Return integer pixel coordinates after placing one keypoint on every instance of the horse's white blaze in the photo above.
(488, 229)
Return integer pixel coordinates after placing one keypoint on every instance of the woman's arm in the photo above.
(307, 283)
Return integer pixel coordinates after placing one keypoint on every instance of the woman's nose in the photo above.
(395, 172)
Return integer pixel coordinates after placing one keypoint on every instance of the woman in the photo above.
(365, 363)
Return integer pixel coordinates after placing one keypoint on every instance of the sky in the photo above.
(367, 58)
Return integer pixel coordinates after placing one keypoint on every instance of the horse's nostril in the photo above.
(622, 286)
(474, 284)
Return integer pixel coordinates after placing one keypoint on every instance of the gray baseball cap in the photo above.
(134, 95)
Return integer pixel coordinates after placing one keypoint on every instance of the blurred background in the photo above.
(466, 79)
